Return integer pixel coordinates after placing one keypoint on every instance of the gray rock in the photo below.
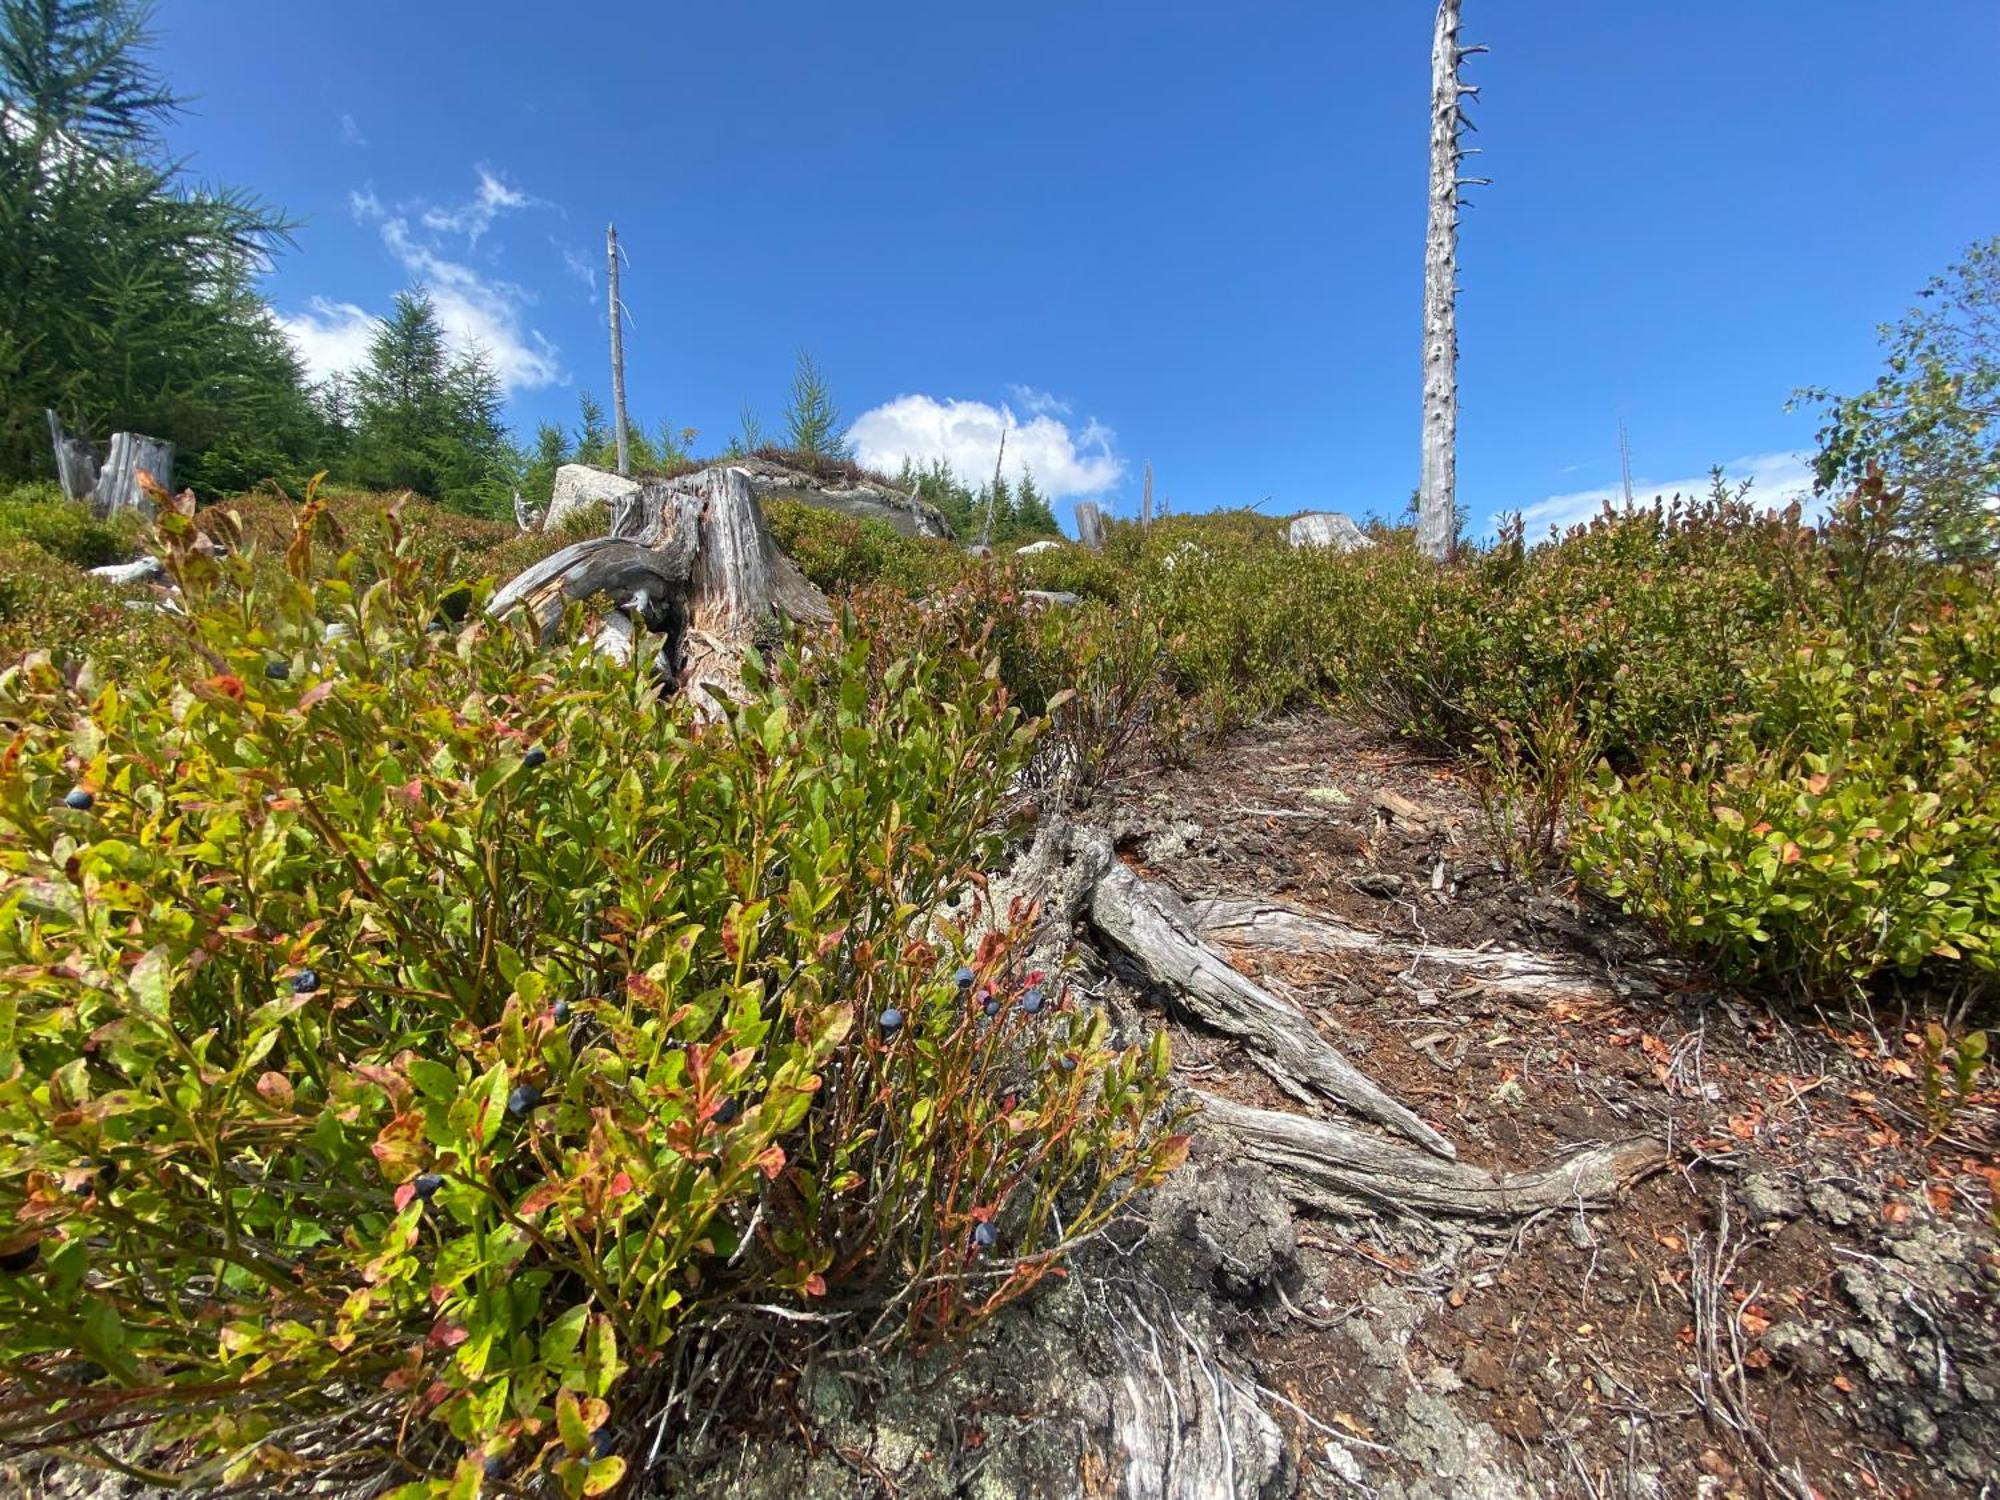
(580, 486)
(864, 499)
(1327, 529)
(1383, 883)
(1771, 1195)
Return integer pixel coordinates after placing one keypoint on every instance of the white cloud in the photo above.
(350, 132)
(579, 266)
(331, 337)
(475, 216)
(967, 434)
(1777, 479)
(476, 310)
(1037, 402)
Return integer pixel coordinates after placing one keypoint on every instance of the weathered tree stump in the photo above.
(687, 559)
(113, 488)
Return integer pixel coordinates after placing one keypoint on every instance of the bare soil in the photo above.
(1852, 1346)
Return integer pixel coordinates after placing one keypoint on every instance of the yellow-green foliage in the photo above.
(50, 605)
(1846, 823)
(64, 528)
(842, 553)
(427, 1013)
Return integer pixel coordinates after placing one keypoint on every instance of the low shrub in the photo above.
(420, 1019)
(48, 605)
(61, 527)
(1643, 619)
(1845, 826)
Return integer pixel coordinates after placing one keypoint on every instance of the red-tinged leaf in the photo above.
(389, 1080)
(404, 1194)
(315, 695)
(275, 1090)
(771, 1160)
(399, 1147)
(815, 1285)
(541, 1196)
(446, 1335)
(621, 1184)
(227, 685)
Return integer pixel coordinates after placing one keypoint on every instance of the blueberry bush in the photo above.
(397, 1013)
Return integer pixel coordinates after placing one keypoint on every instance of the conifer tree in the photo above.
(812, 421)
(127, 296)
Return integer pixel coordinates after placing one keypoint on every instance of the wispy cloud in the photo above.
(331, 337)
(1038, 402)
(578, 265)
(967, 434)
(473, 217)
(1776, 479)
(476, 309)
(350, 132)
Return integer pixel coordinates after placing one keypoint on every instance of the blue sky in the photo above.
(1189, 235)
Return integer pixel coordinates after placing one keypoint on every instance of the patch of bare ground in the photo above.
(1802, 1304)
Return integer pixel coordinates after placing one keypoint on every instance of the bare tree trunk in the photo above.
(617, 352)
(1089, 523)
(1437, 488)
(1146, 503)
(993, 495)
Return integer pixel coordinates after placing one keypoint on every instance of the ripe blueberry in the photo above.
(277, 669)
(524, 1098)
(79, 799)
(426, 1185)
(1033, 1001)
(304, 982)
(20, 1259)
(600, 1442)
(892, 1021)
(965, 977)
(1068, 1064)
(985, 1236)
(727, 1113)
(992, 1006)
(495, 1465)
(561, 1011)
(535, 757)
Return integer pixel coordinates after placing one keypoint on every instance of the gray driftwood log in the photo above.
(1149, 925)
(688, 559)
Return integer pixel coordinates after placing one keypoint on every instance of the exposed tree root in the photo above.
(1247, 922)
(1149, 925)
(1338, 1169)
